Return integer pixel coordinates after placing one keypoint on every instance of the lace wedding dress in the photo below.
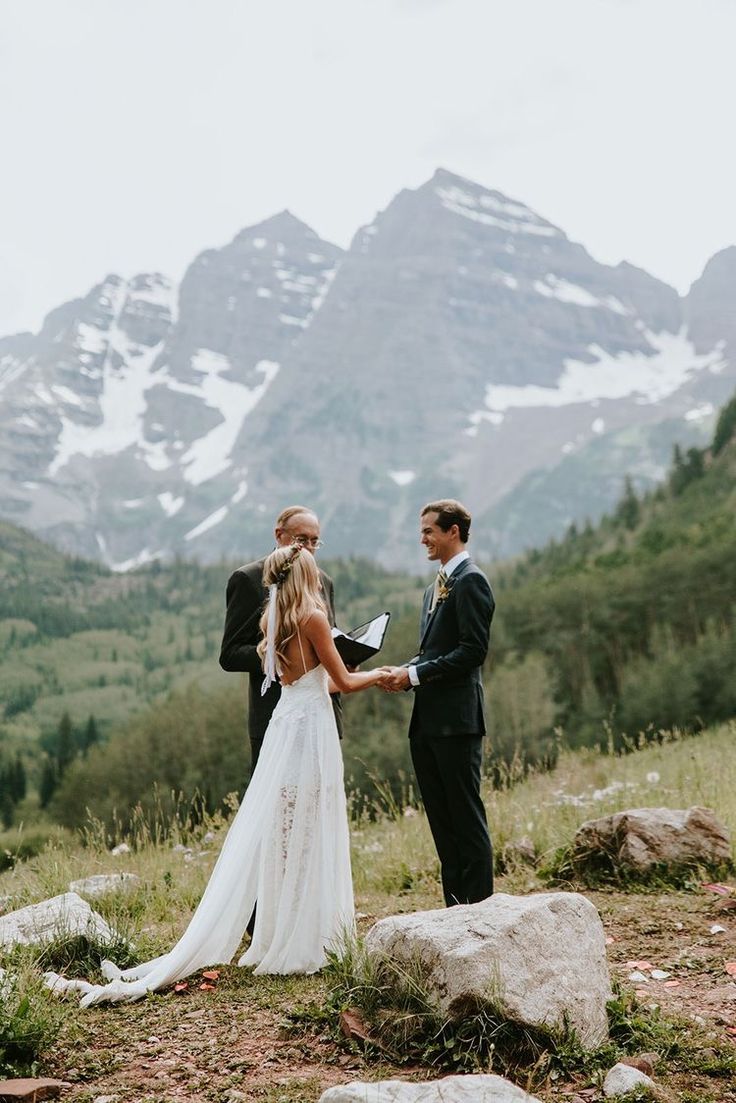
(287, 848)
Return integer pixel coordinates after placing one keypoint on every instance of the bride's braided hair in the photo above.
(299, 592)
(281, 575)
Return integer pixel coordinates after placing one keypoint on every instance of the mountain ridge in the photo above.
(459, 346)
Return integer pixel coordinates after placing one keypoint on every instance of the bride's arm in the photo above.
(318, 632)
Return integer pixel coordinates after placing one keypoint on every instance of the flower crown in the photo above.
(285, 569)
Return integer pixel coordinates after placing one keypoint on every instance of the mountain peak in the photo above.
(721, 266)
(486, 205)
(284, 224)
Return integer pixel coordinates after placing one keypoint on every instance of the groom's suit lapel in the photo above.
(426, 602)
(429, 620)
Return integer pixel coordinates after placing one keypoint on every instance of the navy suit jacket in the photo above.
(452, 649)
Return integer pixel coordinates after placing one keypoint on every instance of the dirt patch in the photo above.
(205, 1045)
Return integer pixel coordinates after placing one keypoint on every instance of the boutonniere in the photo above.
(443, 591)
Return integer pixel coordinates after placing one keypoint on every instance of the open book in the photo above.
(362, 642)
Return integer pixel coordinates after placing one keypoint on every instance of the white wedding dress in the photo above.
(288, 848)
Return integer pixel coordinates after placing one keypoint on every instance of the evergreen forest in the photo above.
(112, 699)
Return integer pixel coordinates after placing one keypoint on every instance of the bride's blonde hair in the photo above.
(295, 574)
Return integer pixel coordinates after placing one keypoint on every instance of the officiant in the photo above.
(245, 598)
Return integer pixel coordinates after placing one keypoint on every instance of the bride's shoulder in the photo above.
(315, 618)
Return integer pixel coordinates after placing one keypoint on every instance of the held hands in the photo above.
(394, 679)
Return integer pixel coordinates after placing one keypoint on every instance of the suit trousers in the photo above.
(448, 770)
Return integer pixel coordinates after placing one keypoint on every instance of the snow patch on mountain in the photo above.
(319, 298)
(10, 370)
(698, 413)
(169, 504)
(209, 522)
(402, 478)
(66, 394)
(210, 455)
(138, 560)
(649, 378)
(122, 404)
(553, 287)
(240, 493)
(520, 219)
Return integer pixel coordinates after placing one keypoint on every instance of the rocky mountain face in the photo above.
(462, 346)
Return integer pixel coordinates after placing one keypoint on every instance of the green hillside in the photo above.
(612, 635)
(635, 618)
(83, 651)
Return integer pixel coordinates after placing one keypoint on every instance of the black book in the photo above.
(362, 642)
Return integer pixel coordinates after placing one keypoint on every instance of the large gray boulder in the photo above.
(450, 1089)
(640, 838)
(540, 959)
(61, 916)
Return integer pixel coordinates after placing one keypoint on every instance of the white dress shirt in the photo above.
(449, 567)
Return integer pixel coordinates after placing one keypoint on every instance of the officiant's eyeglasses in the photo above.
(309, 542)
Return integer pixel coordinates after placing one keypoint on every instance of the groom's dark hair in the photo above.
(450, 512)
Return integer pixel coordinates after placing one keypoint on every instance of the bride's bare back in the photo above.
(300, 657)
(314, 637)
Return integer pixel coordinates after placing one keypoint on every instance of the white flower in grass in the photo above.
(653, 777)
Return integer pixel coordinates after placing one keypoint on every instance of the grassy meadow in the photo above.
(395, 870)
(611, 684)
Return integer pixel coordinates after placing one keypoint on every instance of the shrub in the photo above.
(30, 1020)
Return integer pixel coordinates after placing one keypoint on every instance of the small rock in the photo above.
(481, 1088)
(623, 1078)
(642, 1063)
(100, 883)
(105, 1099)
(520, 852)
(31, 1090)
(352, 1026)
(121, 848)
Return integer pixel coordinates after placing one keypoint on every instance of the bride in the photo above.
(288, 847)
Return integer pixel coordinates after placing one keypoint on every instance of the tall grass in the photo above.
(395, 865)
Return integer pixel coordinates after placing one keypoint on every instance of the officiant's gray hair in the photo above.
(287, 514)
(450, 512)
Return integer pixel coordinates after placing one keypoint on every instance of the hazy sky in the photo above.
(135, 133)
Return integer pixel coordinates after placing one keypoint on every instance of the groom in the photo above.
(447, 723)
(245, 598)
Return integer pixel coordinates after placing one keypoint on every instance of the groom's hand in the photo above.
(396, 679)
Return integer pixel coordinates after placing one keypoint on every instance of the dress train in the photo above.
(287, 848)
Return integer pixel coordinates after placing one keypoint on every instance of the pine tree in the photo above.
(65, 749)
(7, 807)
(49, 781)
(20, 785)
(90, 735)
(628, 509)
(725, 427)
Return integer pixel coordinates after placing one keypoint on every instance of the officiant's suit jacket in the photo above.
(245, 599)
(453, 645)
